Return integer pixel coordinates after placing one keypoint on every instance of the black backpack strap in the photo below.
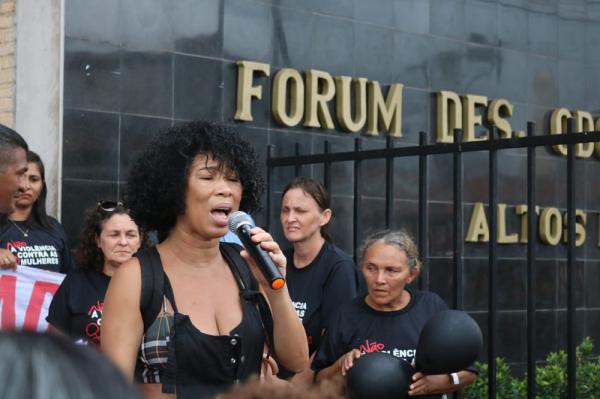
(151, 297)
(249, 287)
(242, 272)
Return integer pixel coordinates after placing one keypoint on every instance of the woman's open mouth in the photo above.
(221, 215)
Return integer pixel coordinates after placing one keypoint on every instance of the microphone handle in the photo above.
(263, 260)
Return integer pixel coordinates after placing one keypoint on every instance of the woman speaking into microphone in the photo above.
(192, 316)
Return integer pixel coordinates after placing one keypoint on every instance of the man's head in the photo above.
(13, 165)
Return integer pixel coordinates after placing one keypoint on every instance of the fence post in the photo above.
(423, 216)
(327, 167)
(298, 165)
(269, 186)
(389, 184)
(571, 315)
(492, 261)
(357, 199)
(458, 219)
(531, 248)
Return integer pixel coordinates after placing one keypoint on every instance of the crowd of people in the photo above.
(192, 316)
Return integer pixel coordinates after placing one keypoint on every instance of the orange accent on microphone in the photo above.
(277, 283)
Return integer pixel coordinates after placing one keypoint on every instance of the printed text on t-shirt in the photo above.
(369, 347)
(300, 308)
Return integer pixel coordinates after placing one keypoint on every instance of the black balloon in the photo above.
(450, 341)
(379, 375)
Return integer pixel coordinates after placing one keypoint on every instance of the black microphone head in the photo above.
(239, 218)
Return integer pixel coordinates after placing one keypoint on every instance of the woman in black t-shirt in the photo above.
(34, 238)
(109, 238)
(389, 319)
(320, 276)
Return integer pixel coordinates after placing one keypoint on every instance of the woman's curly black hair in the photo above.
(157, 181)
(87, 253)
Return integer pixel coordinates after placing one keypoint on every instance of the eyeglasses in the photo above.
(108, 205)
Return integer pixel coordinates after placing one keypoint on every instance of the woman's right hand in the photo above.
(347, 361)
(341, 366)
(270, 246)
(268, 373)
(8, 260)
(269, 367)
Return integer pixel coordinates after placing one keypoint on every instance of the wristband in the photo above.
(455, 379)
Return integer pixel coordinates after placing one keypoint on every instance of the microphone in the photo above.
(241, 224)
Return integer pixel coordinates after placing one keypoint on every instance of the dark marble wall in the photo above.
(132, 68)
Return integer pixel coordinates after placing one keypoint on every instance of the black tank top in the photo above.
(199, 365)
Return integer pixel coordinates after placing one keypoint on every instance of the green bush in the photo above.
(551, 378)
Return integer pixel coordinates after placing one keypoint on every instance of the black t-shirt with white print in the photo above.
(358, 326)
(319, 289)
(36, 246)
(76, 308)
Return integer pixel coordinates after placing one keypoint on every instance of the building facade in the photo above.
(120, 70)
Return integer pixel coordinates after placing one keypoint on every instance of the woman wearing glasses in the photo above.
(108, 239)
(216, 314)
(28, 236)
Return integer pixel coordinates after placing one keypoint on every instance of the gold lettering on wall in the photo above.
(285, 78)
(496, 110)
(583, 123)
(295, 98)
(471, 119)
(386, 112)
(522, 210)
(358, 102)
(317, 112)
(580, 222)
(503, 236)
(478, 231)
(454, 113)
(449, 116)
(245, 90)
(550, 226)
(344, 104)
(558, 125)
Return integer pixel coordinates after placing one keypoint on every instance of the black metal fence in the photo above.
(457, 148)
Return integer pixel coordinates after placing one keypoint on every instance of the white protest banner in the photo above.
(25, 297)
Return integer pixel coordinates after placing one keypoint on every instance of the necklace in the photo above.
(24, 232)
